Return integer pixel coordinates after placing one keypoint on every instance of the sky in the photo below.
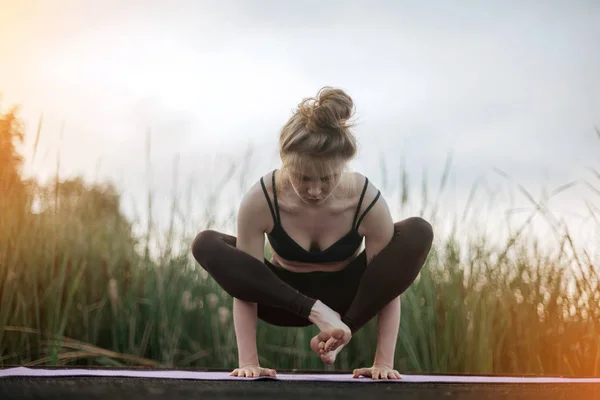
(511, 85)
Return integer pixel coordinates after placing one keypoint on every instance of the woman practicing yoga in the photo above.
(316, 214)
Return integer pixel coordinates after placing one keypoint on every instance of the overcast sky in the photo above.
(508, 84)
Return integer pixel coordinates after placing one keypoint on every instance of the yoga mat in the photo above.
(223, 376)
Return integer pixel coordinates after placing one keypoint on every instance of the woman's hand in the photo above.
(377, 372)
(253, 371)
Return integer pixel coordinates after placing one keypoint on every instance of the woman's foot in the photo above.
(334, 333)
(318, 346)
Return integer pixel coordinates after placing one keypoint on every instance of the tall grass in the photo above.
(74, 290)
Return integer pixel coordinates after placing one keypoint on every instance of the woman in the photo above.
(316, 214)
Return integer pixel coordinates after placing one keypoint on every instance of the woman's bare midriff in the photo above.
(300, 267)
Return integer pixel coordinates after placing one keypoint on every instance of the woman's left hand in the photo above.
(377, 372)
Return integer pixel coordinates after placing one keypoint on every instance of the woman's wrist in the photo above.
(378, 362)
(248, 361)
(250, 364)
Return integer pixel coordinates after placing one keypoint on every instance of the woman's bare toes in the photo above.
(330, 340)
(316, 345)
(335, 338)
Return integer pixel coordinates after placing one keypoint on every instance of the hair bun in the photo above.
(330, 110)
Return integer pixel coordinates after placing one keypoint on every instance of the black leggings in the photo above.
(285, 298)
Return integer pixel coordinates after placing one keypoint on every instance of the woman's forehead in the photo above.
(315, 169)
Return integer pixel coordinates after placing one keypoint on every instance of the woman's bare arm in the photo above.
(251, 228)
(378, 229)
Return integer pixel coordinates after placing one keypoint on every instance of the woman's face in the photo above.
(314, 187)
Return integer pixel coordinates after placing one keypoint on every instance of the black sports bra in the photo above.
(289, 250)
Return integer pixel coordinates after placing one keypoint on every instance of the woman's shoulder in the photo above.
(360, 185)
(261, 187)
(254, 201)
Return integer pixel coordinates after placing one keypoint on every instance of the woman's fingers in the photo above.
(253, 372)
(377, 373)
(362, 372)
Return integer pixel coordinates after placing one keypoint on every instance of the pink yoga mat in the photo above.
(174, 374)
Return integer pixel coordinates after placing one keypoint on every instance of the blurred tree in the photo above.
(13, 194)
(11, 132)
(68, 219)
(87, 215)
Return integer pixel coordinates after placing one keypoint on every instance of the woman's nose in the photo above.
(314, 190)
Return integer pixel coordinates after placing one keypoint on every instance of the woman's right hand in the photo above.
(253, 371)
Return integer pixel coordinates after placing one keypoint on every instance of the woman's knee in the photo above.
(415, 231)
(204, 244)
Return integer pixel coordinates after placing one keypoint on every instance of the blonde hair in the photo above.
(318, 135)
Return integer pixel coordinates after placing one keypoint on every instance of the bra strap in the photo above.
(368, 208)
(362, 196)
(275, 197)
(262, 183)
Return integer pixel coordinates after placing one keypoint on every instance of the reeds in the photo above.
(76, 288)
